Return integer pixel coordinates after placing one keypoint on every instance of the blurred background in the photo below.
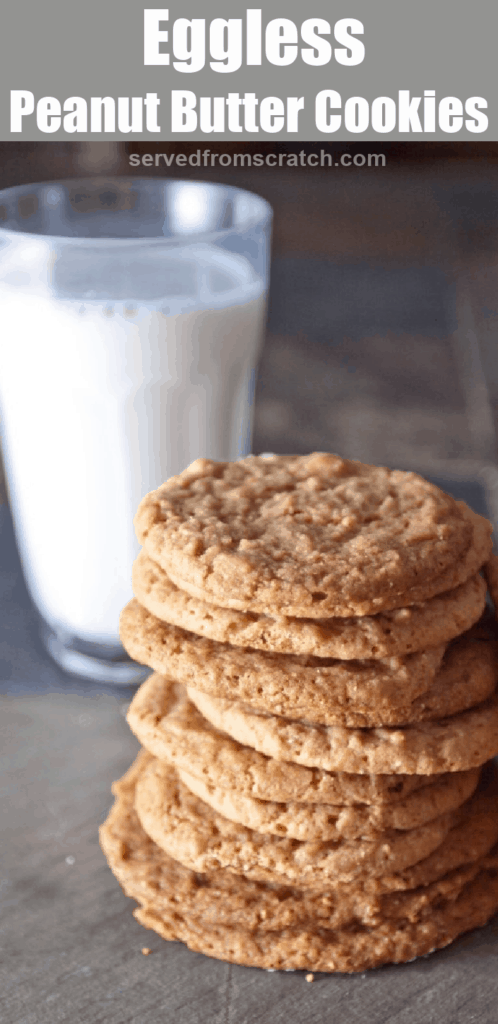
(383, 312)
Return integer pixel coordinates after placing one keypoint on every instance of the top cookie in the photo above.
(309, 536)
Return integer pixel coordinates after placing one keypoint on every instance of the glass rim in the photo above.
(264, 214)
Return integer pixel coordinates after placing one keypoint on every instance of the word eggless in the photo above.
(224, 38)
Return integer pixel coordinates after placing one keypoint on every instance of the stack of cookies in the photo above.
(315, 788)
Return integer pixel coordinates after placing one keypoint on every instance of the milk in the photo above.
(108, 389)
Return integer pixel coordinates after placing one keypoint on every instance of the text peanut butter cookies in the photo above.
(313, 790)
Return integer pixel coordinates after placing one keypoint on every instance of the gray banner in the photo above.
(224, 71)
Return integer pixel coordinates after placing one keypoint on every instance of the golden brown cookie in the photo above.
(203, 840)
(460, 741)
(468, 841)
(311, 536)
(147, 874)
(390, 691)
(348, 949)
(300, 685)
(387, 634)
(308, 822)
(172, 729)
(473, 561)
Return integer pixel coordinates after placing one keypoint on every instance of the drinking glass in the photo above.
(131, 318)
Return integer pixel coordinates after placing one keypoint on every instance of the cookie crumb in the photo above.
(146, 951)
(310, 977)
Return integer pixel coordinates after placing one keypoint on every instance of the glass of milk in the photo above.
(131, 318)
